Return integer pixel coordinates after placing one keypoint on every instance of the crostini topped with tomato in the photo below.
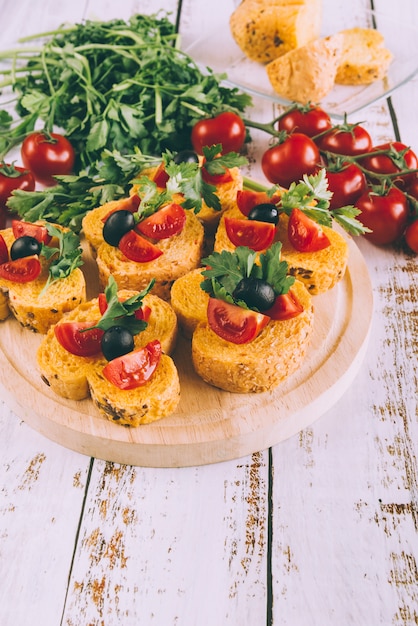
(115, 349)
(250, 321)
(40, 276)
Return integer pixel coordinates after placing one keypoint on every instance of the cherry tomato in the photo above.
(309, 120)
(22, 270)
(248, 199)
(137, 248)
(76, 340)
(47, 155)
(411, 236)
(285, 307)
(413, 187)
(4, 253)
(347, 184)
(135, 368)
(233, 323)
(37, 231)
(251, 233)
(11, 178)
(305, 234)
(347, 139)
(385, 213)
(289, 160)
(143, 313)
(383, 164)
(226, 128)
(164, 223)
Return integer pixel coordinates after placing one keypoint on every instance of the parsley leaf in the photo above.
(68, 255)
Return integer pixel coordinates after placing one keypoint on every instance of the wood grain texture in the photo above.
(320, 530)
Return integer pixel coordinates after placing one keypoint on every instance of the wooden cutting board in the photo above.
(209, 425)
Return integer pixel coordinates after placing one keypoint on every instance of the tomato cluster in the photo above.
(381, 181)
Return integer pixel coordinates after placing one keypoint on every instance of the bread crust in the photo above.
(364, 57)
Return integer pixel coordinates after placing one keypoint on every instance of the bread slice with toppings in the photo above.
(76, 377)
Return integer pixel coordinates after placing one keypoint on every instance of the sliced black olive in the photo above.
(186, 156)
(24, 246)
(265, 212)
(116, 341)
(256, 293)
(117, 224)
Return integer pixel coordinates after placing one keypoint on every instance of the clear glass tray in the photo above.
(226, 57)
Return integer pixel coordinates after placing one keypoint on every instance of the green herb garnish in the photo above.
(68, 255)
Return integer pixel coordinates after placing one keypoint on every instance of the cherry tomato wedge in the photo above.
(285, 307)
(233, 323)
(251, 233)
(137, 248)
(47, 155)
(248, 199)
(4, 253)
(37, 231)
(130, 204)
(143, 313)
(75, 339)
(164, 223)
(226, 128)
(287, 161)
(161, 177)
(135, 368)
(305, 234)
(216, 179)
(22, 270)
(309, 120)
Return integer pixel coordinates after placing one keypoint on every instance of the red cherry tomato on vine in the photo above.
(412, 188)
(383, 164)
(73, 337)
(47, 155)
(233, 323)
(305, 234)
(347, 185)
(385, 213)
(135, 368)
(164, 223)
(11, 178)
(289, 160)
(310, 120)
(250, 233)
(22, 270)
(226, 128)
(349, 140)
(411, 236)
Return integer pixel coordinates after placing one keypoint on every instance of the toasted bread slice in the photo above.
(77, 377)
(307, 74)
(35, 308)
(4, 307)
(189, 301)
(262, 364)
(364, 57)
(319, 271)
(265, 30)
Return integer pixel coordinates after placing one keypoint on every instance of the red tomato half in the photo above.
(233, 323)
(76, 340)
(347, 185)
(305, 234)
(4, 253)
(285, 307)
(251, 233)
(346, 139)
(385, 213)
(11, 178)
(287, 162)
(383, 164)
(411, 236)
(164, 223)
(248, 199)
(47, 156)
(37, 231)
(143, 313)
(227, 129)
(310, 120)
(22, 270)
(135, 368)
(137, 248)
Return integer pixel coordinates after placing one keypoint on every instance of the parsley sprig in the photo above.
(226, 269)
(68, 255)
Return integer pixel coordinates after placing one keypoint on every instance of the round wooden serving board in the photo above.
(209, 425)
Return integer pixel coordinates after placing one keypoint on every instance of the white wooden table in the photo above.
(320, 530)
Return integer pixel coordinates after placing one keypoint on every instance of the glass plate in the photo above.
(226, 57)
